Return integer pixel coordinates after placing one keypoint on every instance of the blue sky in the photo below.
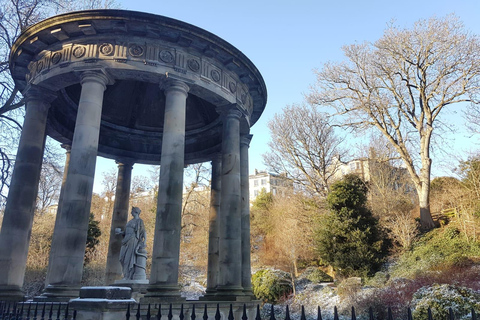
(286, 40)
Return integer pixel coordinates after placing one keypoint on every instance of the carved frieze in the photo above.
(166, 56)
(106, 49)
(215, 74)
(232, 86)
(79, 51)
(149, 54)
(193, 65)
(135, 50)
(56, 57)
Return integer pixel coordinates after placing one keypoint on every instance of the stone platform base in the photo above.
(102, 303)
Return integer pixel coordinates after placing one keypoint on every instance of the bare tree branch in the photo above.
(400, 84)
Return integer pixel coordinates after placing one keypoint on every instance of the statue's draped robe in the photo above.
(133, 240)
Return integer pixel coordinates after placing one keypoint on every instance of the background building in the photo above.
(277, 184)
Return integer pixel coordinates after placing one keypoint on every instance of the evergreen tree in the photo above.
(348, 237)
(93, 236)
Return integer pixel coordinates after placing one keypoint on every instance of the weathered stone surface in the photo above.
(139, 88)
(109, 292)
(102, 303)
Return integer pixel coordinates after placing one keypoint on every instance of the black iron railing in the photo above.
(135, 312)
(60, 311)
(35, 311)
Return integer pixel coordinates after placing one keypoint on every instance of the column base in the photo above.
(249, 292)
(11, 293)
(53, 293)
(155, 292)
(230, 293)
(209, 295)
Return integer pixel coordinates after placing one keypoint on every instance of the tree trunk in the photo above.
(426, 221)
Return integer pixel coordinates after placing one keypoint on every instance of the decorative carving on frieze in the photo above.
(149, 54)
(181, 70)
(215, 74)
(79, 51)
(194, 65)
(243, 97)
(232, 86)
(106, 49)
(56, 57)
(135, 50)
(39, 66)
(166, 56)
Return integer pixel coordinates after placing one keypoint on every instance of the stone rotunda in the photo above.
(136, 88)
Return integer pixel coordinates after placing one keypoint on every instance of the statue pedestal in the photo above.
(102, 303)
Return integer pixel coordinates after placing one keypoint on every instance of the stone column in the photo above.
(166, 245)
(68, 149)
(69, 238)
(213, 268)
(68, 152)
(229, 284)
(245, 214)
(119, 220)
(22, 193)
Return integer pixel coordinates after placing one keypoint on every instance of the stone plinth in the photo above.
(139, 287)
(102, 303)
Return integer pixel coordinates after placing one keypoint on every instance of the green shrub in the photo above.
(271, 285)
(437, 250)
(451, 232)
(379, 280)
(439, 298)
(316, 275)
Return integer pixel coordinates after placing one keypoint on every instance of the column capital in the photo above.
(245, 139)
(216, 157)
(67, 147)
(96, 75)
(125, 162)
(230, 111)
(35, 92)
(176, 85)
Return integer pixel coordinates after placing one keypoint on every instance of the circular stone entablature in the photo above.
(138, 52)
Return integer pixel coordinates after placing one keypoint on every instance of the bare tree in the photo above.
(400, 84)
(198, 176)
(109, 183)
(15, 17)
(305, 146)
(49, 187)
(282, 230)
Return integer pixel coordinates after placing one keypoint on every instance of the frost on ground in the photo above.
(192, 290)
(311, 296)
(193, 281)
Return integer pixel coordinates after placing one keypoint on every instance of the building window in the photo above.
(255, 183)
(264, 182)
(355, 165)
(274, 191)
(255, 193)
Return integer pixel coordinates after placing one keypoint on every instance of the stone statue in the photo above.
(133, 255)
